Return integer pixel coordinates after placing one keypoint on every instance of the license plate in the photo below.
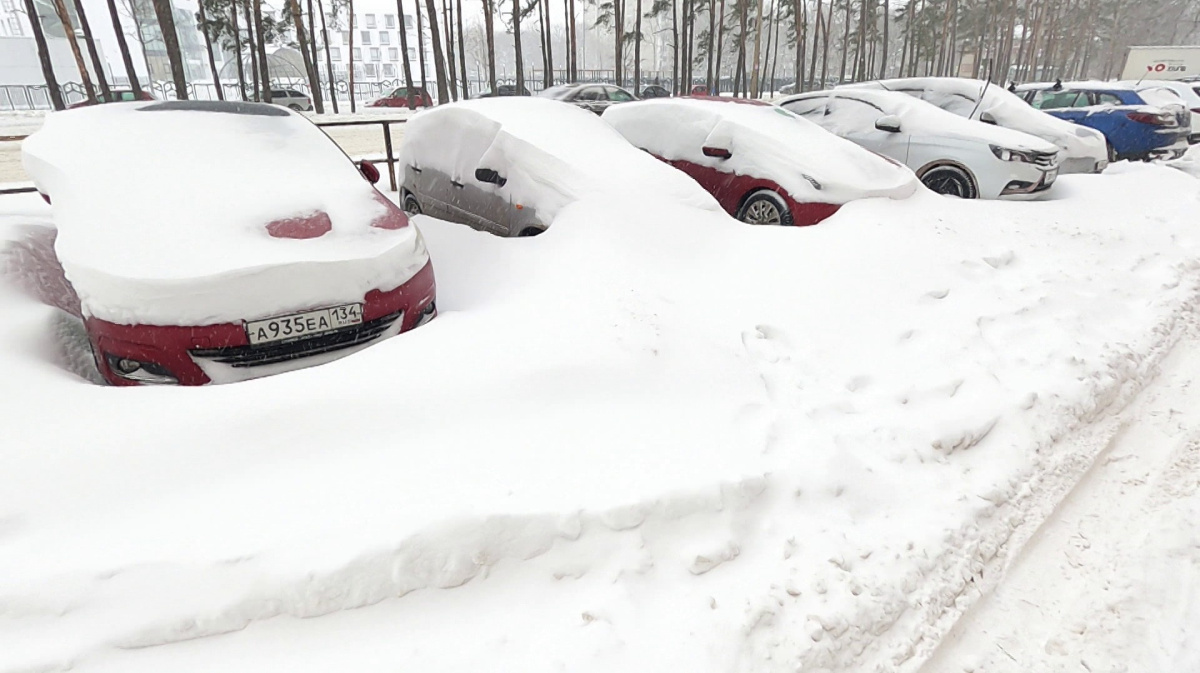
(299, 325)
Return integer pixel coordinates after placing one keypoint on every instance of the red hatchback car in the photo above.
(763, 164)
(401, 97)
(237, 272)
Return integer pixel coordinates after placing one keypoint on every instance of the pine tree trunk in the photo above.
(462, 54)
(618, 53)
(676, 71)
(260, 40)
(542, 36)
(91, 47)
(568, 51)
(575, 44)
(421, 48)
(845, 41)
(549, 46)
(65, 18)
(450, 67)
(489, 9)
(812, 67)
(253, 49)
(166, 23)
(742, 89)
(353, 102)
(716, 90)
(800, 21)
(754, 92)
(406, 62)
(126, 58)
(637, 47)
(883, 57)
(333, 99)
(35, 22)
(516, 8)
(712, 27)
(237, 49)
(825, 45)
(212, 62)
(314, 83)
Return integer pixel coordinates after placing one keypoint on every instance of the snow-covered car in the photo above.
(763, 164)
(1188, 92)
(1139, 125)
(593, 97)
(950, 154)
(509, 165)
(196, 260)
(1081, 149)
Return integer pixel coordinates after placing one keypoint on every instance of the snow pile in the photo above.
(917, 118)
(139, 229)
(961, 96)
(650, 439)
(765, 142)
(550, 154)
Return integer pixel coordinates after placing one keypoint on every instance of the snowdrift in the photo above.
(651, 439)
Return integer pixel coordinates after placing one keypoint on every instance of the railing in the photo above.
(389, 153)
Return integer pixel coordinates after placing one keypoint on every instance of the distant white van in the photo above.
(1161, 63)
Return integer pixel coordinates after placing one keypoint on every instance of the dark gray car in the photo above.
(594, 97)
(480, 203)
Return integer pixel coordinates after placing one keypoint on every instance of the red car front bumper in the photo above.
(177, 352)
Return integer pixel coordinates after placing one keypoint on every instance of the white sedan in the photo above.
(951, 155)
(1082, 150)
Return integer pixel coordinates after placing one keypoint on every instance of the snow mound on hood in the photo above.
(766, 142)
(961, 96)
(551, 154)
(159, 202)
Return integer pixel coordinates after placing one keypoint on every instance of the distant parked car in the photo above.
(699, 90)
(592, 97)
(503, 90)
(290, 98)
(400, 97)
(1189, 92)
(269, 276)
(763, 164)
(951, 155)
(1152, 123)
(655, 91)
(114, 96)
(516, 162)
(1082, 150)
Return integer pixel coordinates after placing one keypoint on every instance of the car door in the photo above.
(617, 95)
(857, 121)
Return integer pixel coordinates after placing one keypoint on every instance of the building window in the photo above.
(385, 37)
(370, 21)
(393, 54)
(374, 53)
(345, 37)
(370, 68)
(11, 5)
(15, 27)
(389, 20)
(408, 21)
(335, 53)
(357, 54)
(412, 54)
(389, 70)
(366, 37)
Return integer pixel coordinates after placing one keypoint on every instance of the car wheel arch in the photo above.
(943, 163)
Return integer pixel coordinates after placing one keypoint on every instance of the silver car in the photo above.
(291, 98)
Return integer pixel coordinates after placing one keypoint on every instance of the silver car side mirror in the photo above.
(889, 123)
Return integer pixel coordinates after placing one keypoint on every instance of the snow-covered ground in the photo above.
(649, 439)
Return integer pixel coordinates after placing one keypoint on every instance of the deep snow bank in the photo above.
(655, 442)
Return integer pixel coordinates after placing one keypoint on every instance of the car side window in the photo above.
(1107, 99)
(591, 93)
(127, 95)
(855, 113)
(294, 94)
(1048, 99)
(618, 95)
(808, 107)
(399, 93)
(278, 93)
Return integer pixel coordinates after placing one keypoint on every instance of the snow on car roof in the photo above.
(960, 96)
(152, 199)
(766, 142)
(920, 117)
(1087, 85)
(550, 153)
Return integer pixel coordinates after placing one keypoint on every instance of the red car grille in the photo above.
(283, 351)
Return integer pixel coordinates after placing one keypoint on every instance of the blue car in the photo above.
(1152, 123)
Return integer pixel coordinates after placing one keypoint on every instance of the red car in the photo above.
(401, 97)
(763, 164)
(114, 96)
(237, 272)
